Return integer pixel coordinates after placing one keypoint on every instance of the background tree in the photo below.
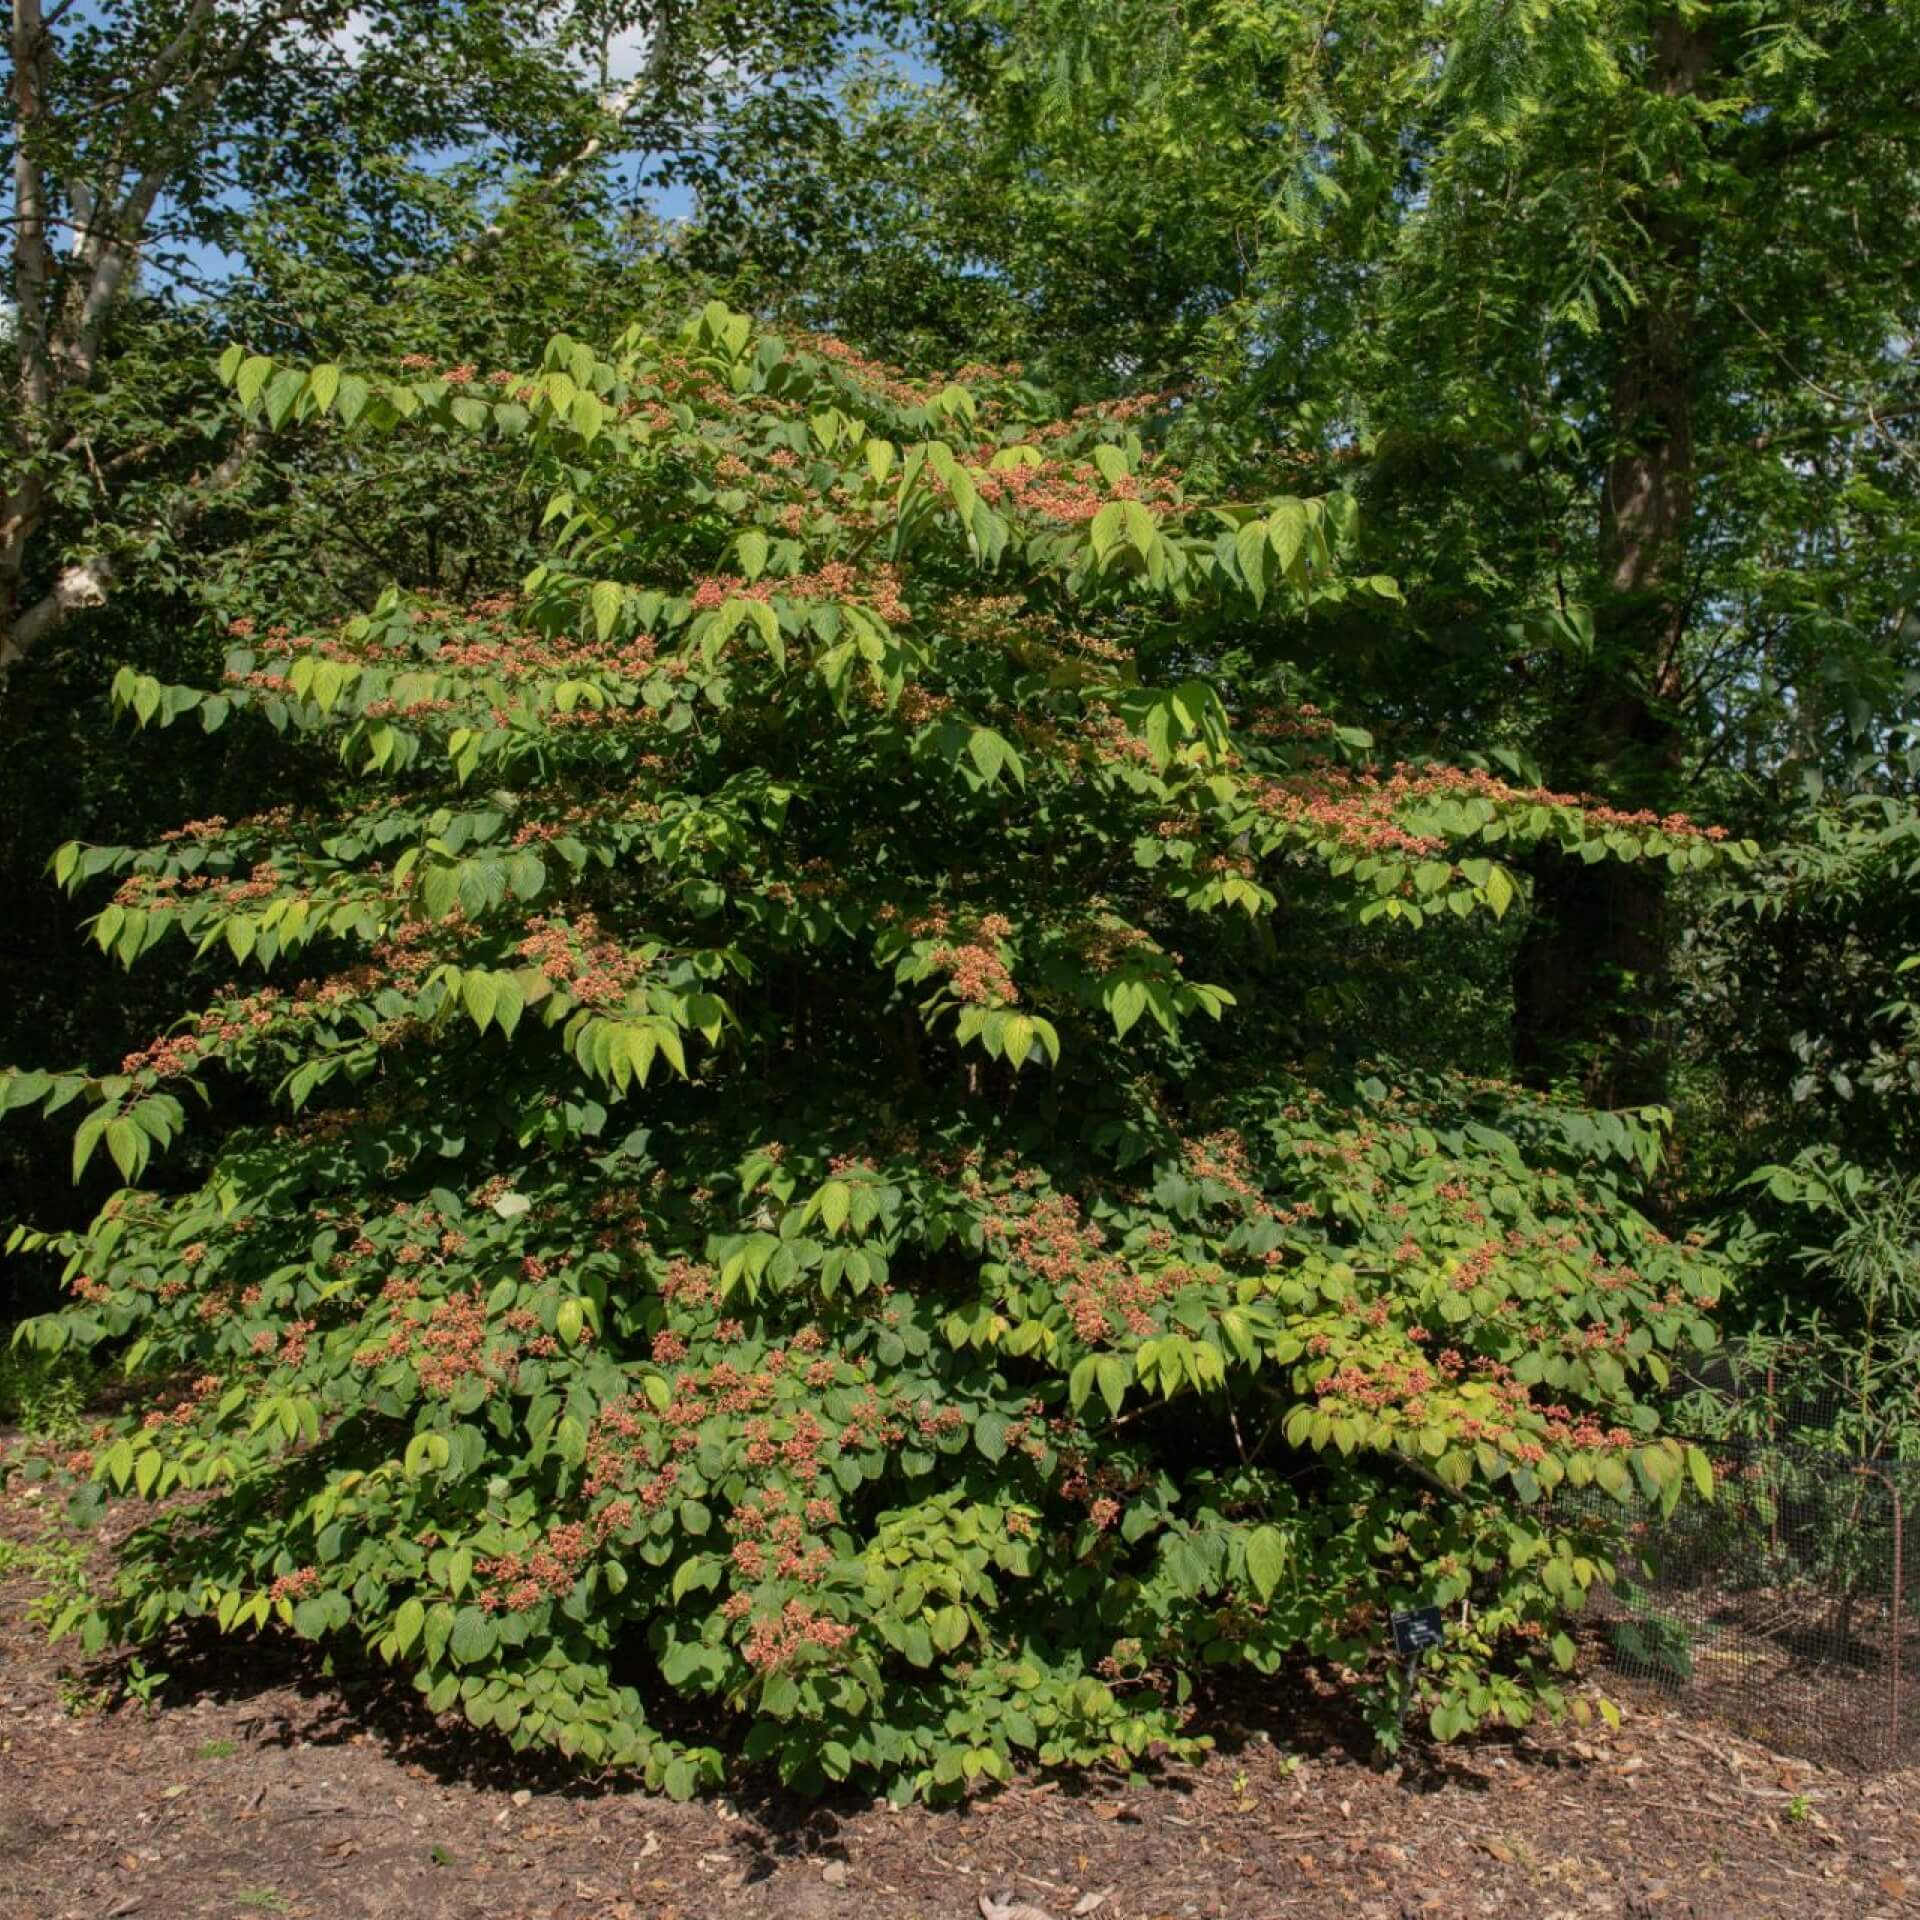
(152, 137)
(1614, 301)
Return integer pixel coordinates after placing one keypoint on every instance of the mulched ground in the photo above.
(256, 1784)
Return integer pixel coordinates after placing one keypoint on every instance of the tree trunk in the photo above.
(1589, 975)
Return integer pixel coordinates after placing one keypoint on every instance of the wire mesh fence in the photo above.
(1789, 1608)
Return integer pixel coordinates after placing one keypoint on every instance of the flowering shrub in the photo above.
(780, 1191)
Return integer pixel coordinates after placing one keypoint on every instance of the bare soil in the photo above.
(259, 1783)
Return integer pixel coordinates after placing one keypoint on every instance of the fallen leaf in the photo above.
(1009, 1906)
(1091, 1902)
(834, 1873)
(1894, 1887)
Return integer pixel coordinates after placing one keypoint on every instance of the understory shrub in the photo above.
(760, 1201)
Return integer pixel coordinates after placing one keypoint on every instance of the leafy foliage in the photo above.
(168, 153)
(1806, 1029)
(757, 1159)
(1598, 307)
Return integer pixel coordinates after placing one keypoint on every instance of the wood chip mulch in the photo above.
(258, 1784)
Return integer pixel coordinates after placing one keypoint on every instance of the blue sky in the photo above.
(624, 58)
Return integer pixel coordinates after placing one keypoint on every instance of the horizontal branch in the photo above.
(88, 583)
(1826, 429)
(614, 110)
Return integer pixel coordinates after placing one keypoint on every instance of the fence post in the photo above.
(1899, 1598)
(1773, 1442)
(1894, 1611)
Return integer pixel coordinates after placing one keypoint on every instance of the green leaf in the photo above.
(129, 1148)
(990, 1433)
(87, 1136)
(1287, 533)
(1250, 547)
(1142, 528)
(473, 1637)
(947, 1628)
(352, 399)
(1700, 1468)
(588, 414)
(836, 1201)
(459, 1570)
(992, 755)
(1126, 1000)
(1080, 1382)
(252, 378)
(1266, 1559)
(1109, 529)
(407, 1623)
(283, 390)
(509, 1001)
(481, 992)
(767, 624)
(607, 598)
